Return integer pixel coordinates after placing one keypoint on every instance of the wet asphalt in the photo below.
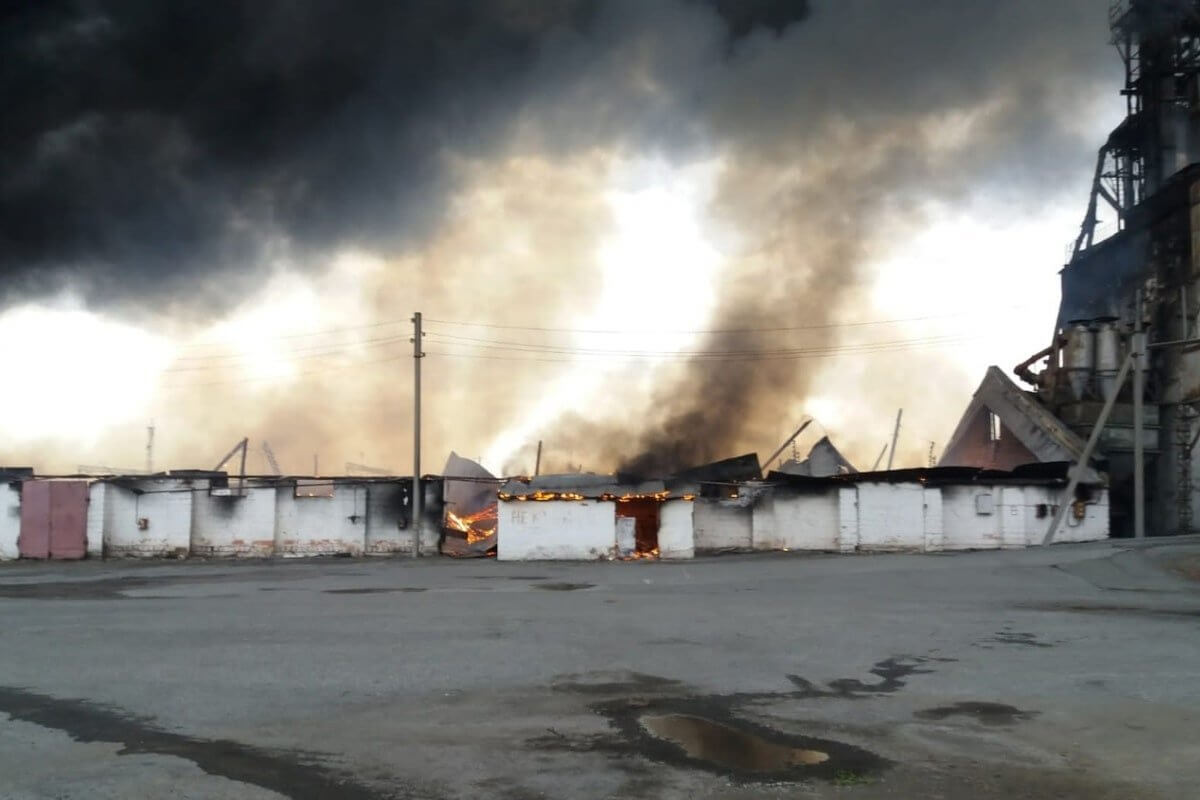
(1057, 673)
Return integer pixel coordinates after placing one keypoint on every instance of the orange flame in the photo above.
(477, 526)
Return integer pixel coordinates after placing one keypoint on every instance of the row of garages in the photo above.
(902, 511)
(211, 515)
(563, 517)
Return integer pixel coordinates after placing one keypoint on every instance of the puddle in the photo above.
(728, 747)
(987, 713)
(563, 587)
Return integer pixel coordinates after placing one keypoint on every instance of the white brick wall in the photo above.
(97, 513)
(10, 522)
(891, 516)
(384, 512)
(551, 530)
(314, 526)
(797, 521)
(965, 527)
(166, 506)
(235, 525)
(721, 525)
(675, 537)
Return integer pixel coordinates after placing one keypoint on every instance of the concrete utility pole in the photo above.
(1137, 352)
(895, 436)
(416, 486)
(1076, 472)
(537, 464)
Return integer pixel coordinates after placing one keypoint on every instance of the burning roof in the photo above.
(583, 487)
(470, 519)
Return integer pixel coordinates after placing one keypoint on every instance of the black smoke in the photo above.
(165, 151)
(169, 154)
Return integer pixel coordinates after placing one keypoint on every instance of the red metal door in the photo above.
(34, 539)
(68, 519)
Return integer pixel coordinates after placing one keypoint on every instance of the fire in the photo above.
(640, 555)
(477, 526)
(542, 496)
(629, 498)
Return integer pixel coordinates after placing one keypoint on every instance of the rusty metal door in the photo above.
(53, 519)
(34, 539)
(68, 519)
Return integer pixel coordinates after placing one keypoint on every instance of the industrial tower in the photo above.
(1133, 267)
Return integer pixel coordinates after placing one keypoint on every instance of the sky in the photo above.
(646, 234)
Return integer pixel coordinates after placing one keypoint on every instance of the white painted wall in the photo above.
(1092, 528)
(316, 526)
(1042, 501)
(762, 520)
(10, 522)
(530, 530)
(165, 504)
(799, 521)
(1012, 516)
(97, 513)
(234, 525)
(675, 537)
(964, 527)
(847, 519)
(721, 525)
(385, 511)
(934, 520)
(891, 516)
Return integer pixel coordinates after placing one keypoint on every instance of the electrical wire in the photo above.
(799, 356)
(494, 344)
(612, 331)
(779, 329)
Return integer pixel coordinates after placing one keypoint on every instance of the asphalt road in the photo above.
(1061, 673)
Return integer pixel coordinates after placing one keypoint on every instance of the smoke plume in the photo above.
(173, 164)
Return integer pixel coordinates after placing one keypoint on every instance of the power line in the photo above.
(823, 326)
(531, 347)
(613, 331)
(537, 356)
(278, 377)
(319, 351)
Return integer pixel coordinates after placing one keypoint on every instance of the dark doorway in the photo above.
(645, 516)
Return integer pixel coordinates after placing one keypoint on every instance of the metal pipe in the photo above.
(790, 439)
(1022, 370)
(895, 436)
(416, 481)
(1086, 455)
(1172, 343)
